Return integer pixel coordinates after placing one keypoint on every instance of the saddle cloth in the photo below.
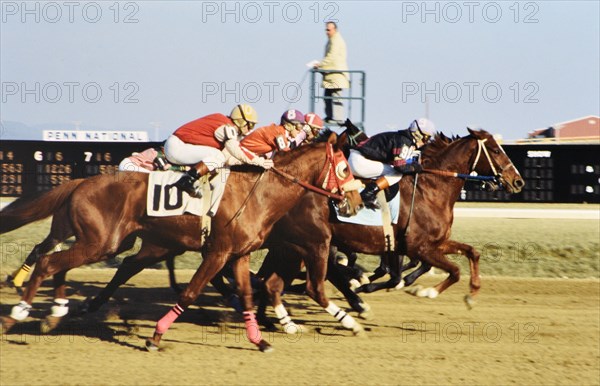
(372, 217)
(163, 199)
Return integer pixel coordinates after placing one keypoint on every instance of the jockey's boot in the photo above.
(186, 182)
(369, 193)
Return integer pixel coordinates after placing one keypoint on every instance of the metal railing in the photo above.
(315, 94)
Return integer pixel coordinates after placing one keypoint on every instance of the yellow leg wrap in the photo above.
(20, 276)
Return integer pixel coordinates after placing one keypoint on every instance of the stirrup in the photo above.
(186, 184)
(372, 204)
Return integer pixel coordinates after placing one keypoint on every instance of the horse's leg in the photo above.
(412, 263)
(241, 273)
(60, 307)
(380, 271)
(17, 278)
(454, 247)
(339, 280)
(148, 255)
(229, 293)
(436, 258)
(272, 285)
(60, 230)
(210, 266)
(172, 280)
(316, 267)
(46, 266)
(284, 273)
(414, 275)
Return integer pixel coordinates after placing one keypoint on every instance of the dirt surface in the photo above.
(521, 331)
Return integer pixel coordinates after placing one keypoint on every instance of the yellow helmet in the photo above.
(244, 114)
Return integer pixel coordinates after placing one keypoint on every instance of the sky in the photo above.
(509, 67)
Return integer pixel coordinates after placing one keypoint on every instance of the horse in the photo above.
(430, 225)
(107, 211)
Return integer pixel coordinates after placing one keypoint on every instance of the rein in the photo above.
(243, 206)
(480, 147)
(446, 173)
(307, 185)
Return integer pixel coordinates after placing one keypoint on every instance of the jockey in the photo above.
(388, 156)
(208, 142)
(283, 137)
(147, 161)
(314, 124)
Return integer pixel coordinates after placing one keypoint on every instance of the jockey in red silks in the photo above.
(388, 156)
(265, 140)
(207, 143)
(313, 126)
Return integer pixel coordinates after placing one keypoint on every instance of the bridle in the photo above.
(489, 182)
(497, 174)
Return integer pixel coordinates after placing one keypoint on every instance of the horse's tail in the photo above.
(26, 210)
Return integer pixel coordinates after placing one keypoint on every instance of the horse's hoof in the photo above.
(366, 315)
(265, 347)
(294, 329)
(399, 286)
(414, 290)
(359, 332)
(49, 324)
(469, 302)
(7, 323)
(151, 346)
(429, 292)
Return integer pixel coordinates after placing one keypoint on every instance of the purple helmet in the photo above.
(292, 116)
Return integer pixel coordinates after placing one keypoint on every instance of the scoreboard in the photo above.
(552, 173)
(28, 167)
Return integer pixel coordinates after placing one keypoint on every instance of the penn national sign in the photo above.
(95, 136)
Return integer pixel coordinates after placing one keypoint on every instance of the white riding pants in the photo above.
(181, 153)
(367, 168)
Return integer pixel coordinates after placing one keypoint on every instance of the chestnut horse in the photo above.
(107, 211)
(428, 240)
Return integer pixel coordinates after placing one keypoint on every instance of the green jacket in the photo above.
(335, 59)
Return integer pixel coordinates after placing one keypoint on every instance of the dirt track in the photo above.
(522, 331)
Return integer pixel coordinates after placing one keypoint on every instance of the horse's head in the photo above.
(490, 158)
(337, 177)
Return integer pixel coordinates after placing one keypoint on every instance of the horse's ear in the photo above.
(475, 133)
(479, 134)
(332, 138)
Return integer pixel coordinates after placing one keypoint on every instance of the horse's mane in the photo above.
(440, 143)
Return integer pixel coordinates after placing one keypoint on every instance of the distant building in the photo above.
(585, 129)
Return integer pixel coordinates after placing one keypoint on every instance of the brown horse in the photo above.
(105, 211)
(430, 225)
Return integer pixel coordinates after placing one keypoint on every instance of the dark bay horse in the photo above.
(107, 210)
(430, 225)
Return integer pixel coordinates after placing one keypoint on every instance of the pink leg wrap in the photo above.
(252, 330)
(165, 322)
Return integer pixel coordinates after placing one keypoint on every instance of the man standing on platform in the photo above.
(334, 82)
